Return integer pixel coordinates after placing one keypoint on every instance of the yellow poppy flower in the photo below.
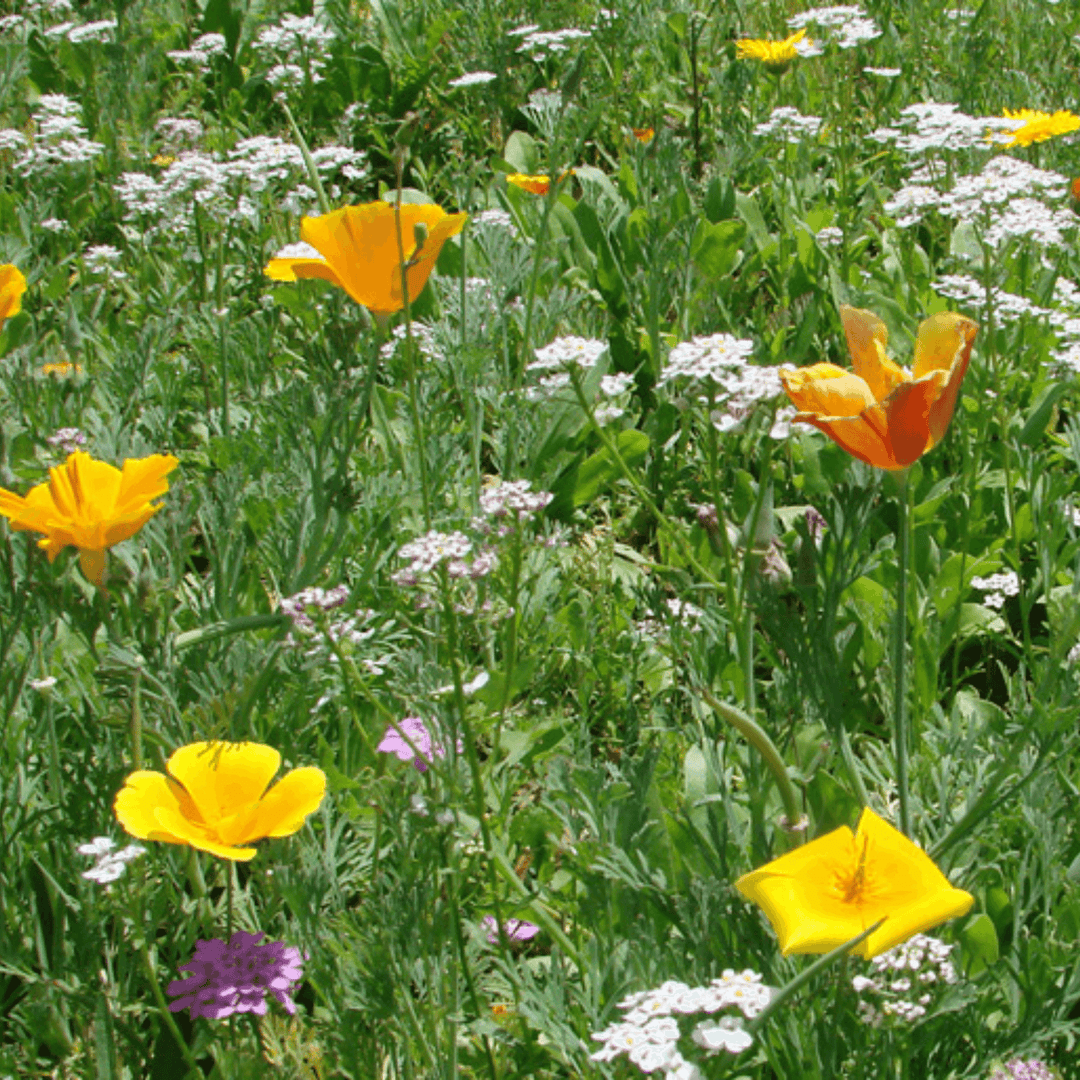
(643, 135)
(65, 367)
(90, 505)
(216, 797)
(357, 249)
(775, 55)
(881, 414)
(1038, 126)
(12, 286)
(535, 185)
(832, 889)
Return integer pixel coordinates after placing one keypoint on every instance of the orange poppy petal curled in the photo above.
(944, 344)
(826, 390)
(867, 337)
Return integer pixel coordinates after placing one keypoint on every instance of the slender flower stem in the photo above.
(759, 739)
(805, 976)
(170, 1023)
(900, 726)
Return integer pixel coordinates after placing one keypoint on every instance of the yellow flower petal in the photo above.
(137, 802)
(827, 390)
(830, 890)
(12, 287)
(286, 805)
(223, 778)
(867, 337)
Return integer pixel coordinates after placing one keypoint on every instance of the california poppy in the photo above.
(12, 286)
(880, 413)
(90, 505)
(825, 893)
(217, 797)
(357, 249)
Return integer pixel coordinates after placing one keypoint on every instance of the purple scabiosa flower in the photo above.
(515, 929)
(1023, 1070)
(227, 979)
(411, 741)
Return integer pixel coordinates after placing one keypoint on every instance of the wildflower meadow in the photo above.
(539, 540)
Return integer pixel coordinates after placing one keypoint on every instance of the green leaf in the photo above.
(978, 945)
(1039, 417)
(601, 469)
(521, 152)
(715, 248)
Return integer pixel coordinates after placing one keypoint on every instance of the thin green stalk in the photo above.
(136, 722)
(309, 161)
(800, 980)
(900, 726)
(170, 1023)
(759, 739)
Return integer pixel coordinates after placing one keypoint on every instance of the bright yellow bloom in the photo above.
(881, 414)
(12, 286)
(216, 797)
(535, 185)
(90, 505)
(643, 135)
(65, 367)
(358, 250)
(832, 889)
(1038, 126)
(775, 55)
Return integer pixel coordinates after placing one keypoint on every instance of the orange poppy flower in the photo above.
(90, 505)
(881, 413)
(356, 248)
(643, 135)
(535, 185)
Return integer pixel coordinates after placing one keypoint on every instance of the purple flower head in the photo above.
(409, 740)
(227, 979)
(515, 929)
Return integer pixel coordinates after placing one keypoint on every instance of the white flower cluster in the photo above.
(560, 357)
(682, 612)
(101, 259)
(432, 550)
(219, 187)
(304, 609)
(846, 25)
(789, 124)
(66, 439)
(202, 52)
(612, 387)
(494, 219)
(301, 48)
(903, 979)
(998, 587)
(473, 78)
(539, 44)
(968, 292)
(649, 1032)
(1002, 199)
(110, 865)
(179, 132)
(101, 30)
(58, 138)
(422, 333)
(830, 236)
(929, 125)
(510, 499)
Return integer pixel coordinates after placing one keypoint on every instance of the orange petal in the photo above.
(826, 390)
(143, 479)
(864, 436)
(284, 808)
(867, 337)
(223, 778)
(944, 343)
(296, 269)
(12, 287)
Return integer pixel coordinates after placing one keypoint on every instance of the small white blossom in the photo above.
(473, 78)
(789, 124)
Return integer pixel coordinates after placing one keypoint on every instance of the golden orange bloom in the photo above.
(90, 505)
(643, 135)
(881, 414)
(1075, 189)
(825, 893)
(356, 248)
(775, 55)
(216, 796)
(162, 159)
(535, 185)
(64, 367)
(12, 286)
(1038, 126)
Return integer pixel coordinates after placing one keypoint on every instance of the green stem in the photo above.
(309, 161)
(170, 1023)
(900, 726)
(805, 976)
(759, 739)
